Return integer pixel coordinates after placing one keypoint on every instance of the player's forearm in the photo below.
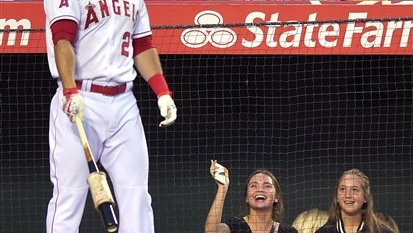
(214, 217)
(148, 63)
(65, 62)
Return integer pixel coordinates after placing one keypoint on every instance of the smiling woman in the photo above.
(265, 207)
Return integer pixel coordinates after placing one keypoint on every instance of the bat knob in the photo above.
(108, 217)
(112, 228)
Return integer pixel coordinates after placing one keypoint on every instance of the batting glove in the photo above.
(72, 103)
(168, 110)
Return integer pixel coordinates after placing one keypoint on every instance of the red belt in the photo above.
(105, 90)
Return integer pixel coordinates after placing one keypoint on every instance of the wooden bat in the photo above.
(98, 184)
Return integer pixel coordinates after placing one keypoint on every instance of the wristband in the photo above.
(70, 91)
(159, 85)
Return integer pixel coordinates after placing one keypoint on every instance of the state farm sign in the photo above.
(9, 27)
(246, 28)
(329, 34)
(294, 34)
(21, 25)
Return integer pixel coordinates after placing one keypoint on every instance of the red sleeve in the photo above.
(64, 29)
(141, 44)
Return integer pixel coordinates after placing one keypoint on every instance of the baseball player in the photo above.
(93, 49)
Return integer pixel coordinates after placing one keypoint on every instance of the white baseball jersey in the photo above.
(106, 30)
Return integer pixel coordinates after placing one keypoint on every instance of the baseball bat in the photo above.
(106, 207)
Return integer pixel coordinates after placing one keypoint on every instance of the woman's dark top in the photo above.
(339, 228)
(239, 225)
(328, 229)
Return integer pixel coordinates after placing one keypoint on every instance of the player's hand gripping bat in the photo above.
(98, 185)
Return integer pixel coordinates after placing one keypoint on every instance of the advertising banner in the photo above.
(380, 27)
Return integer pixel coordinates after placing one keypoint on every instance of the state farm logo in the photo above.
(10, 27)
(276, 31)
(218, 37)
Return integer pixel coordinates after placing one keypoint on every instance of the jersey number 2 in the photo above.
(125, 44)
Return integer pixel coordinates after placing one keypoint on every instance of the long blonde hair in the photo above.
(389, 221)
(310, 220)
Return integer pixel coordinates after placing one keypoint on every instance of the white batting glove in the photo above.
(168, 110)
(72, 104)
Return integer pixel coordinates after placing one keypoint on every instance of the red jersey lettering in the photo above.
(104, 8)
(116, 7)
(91, 16)
(126, 8)
(64, 3)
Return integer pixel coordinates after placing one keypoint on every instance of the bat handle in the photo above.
(108, 217)
(106, 209)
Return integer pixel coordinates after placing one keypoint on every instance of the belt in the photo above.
(105, 90)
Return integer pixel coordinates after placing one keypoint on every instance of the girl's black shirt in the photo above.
(239, 225)
(338, 227)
